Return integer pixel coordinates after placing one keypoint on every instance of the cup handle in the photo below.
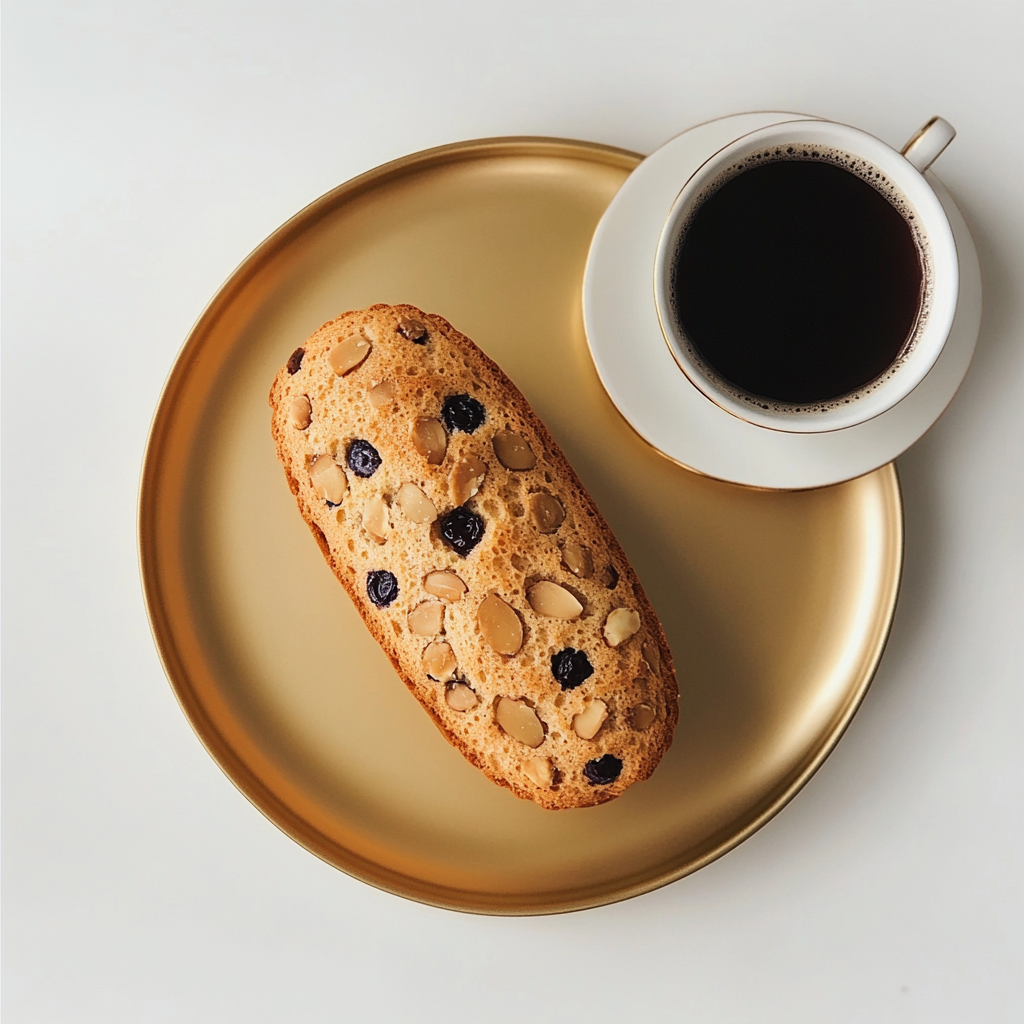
(928, 142)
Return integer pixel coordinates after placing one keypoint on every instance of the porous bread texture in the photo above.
(635, 680)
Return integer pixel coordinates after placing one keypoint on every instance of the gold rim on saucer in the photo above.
(777, 604)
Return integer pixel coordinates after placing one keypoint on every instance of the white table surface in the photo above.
(148, 147)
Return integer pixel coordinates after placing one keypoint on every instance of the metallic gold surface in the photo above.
(777, 605)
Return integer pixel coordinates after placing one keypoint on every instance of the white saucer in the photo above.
(658, 400)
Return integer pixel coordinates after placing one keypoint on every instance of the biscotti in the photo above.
(475, 556)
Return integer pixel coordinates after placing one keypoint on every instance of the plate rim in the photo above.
(241, 774)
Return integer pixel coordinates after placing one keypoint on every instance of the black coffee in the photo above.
(798, 281)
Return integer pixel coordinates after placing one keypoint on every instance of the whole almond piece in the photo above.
(348, 354)
(382, 393)
(460, 697)
(587, 724)
(555, 602)
(429, 439)
(328, 479)
(376, 519)
(513, 450)
(546, 511)
(427, 618)
(651, 657)
(415, 505)
(413, 330)
(439, 661)
(467, 478)
(621, 624)
(445, 585)
(300, 412)
(642, 717)
(520, 721)
(500, 625)
(539, 771)
(577, 559)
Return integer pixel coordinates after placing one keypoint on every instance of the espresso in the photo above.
(797, 281)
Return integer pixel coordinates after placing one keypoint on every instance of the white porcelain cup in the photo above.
(900, 176)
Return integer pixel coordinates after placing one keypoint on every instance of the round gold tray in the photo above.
(777, 605)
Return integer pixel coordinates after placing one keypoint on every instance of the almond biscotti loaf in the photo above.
(475, 556)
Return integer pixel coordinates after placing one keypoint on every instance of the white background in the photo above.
(149, 146)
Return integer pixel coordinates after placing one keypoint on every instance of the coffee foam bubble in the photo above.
(879, 181)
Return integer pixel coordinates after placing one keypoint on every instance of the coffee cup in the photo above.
(806, 277)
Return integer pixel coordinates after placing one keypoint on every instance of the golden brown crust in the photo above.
(377, 526)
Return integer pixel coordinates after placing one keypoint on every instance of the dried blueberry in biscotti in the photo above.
(602, 771)
(295, 361)
(363, 459)
(462, 412)
(381, 587)
(571, 668)
(462, 529)
(475, 556)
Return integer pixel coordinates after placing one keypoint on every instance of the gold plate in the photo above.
(777, 605)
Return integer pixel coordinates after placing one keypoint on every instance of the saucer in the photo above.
(662, 405)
